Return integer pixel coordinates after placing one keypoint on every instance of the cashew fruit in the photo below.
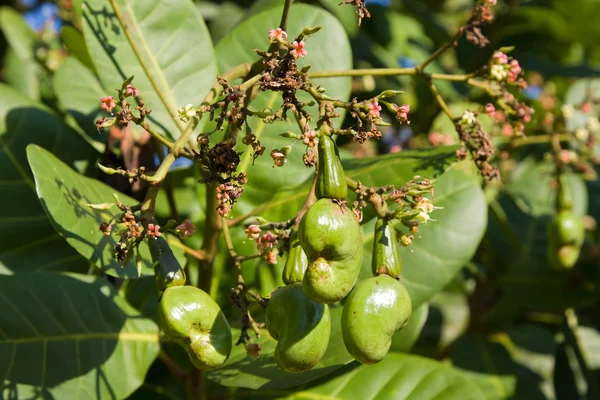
(296, 263)
(167, 271)
(193, 320)
(300, 326)
(386, 250)
(331, 179)
(330, 236)
(375, 310)
(566, 234)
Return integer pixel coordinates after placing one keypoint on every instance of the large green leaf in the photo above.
(398, 377)
(71, 337)
(328, 49)
(176, 63)
(78, 91)
(65, 195)
(244, 371)
(444, 246)
(30, 241)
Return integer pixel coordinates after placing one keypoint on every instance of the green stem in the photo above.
(210, 244)
(538, 139)
(284, 15)
(440, 100)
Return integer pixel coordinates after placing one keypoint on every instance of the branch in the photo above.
(284, 16)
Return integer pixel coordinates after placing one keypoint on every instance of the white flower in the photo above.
(567, 110)
(468, 118)
(582, 134)
(423, 217)
(187, 112)
(593, 124)
(498, 72)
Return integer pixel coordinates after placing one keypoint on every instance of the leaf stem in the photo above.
(284, 15)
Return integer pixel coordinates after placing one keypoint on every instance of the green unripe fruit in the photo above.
(375, 310)
(193, 320)
(300, 326)
(386, 250)
(566, 234)
(296, 263)
(167, 271)
(331, 179)
(330, 236)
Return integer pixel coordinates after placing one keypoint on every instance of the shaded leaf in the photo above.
(70, 336)
(32, 243)
(75, 42)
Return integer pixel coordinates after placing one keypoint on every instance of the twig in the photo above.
(175, 369)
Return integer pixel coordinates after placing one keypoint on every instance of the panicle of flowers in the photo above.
(503, 68)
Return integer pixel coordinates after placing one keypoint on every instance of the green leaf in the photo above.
(21, 74)
(531, 188)
(176, 63)
(489, 364)
(328, 49)
(71, 337)
(244, 371)
(75, 42)
(31, 242)
(20, 69)
(65, 196)
(79, 91)
(398, 377)
(442, 247)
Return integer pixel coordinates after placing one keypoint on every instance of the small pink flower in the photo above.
(515, 68)
(490, 109)
(277, 35)
(153, 231)
(131, 90)
(500, 116)
(270, 257)
(310, 138)
(298, 51)
(107, 103)
(253, 232)
(586, 107)
(186, 229)
(435, 138)
(500, 57)
(507, 130)
(565, 156)
(402, 112)
(396, 148)
(267, 240)
(491, 2)
(374, 108)
(253, 350)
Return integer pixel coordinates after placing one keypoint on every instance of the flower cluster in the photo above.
(227, 195)
(505, 69)
(266, 246)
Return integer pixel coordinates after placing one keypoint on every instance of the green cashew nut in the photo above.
(194, 321)
(331, 179)
(386, 250)
(167, 271)
(566, 234)
(375, 310)
(296, 263)
(300, 326)
(330, 236)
